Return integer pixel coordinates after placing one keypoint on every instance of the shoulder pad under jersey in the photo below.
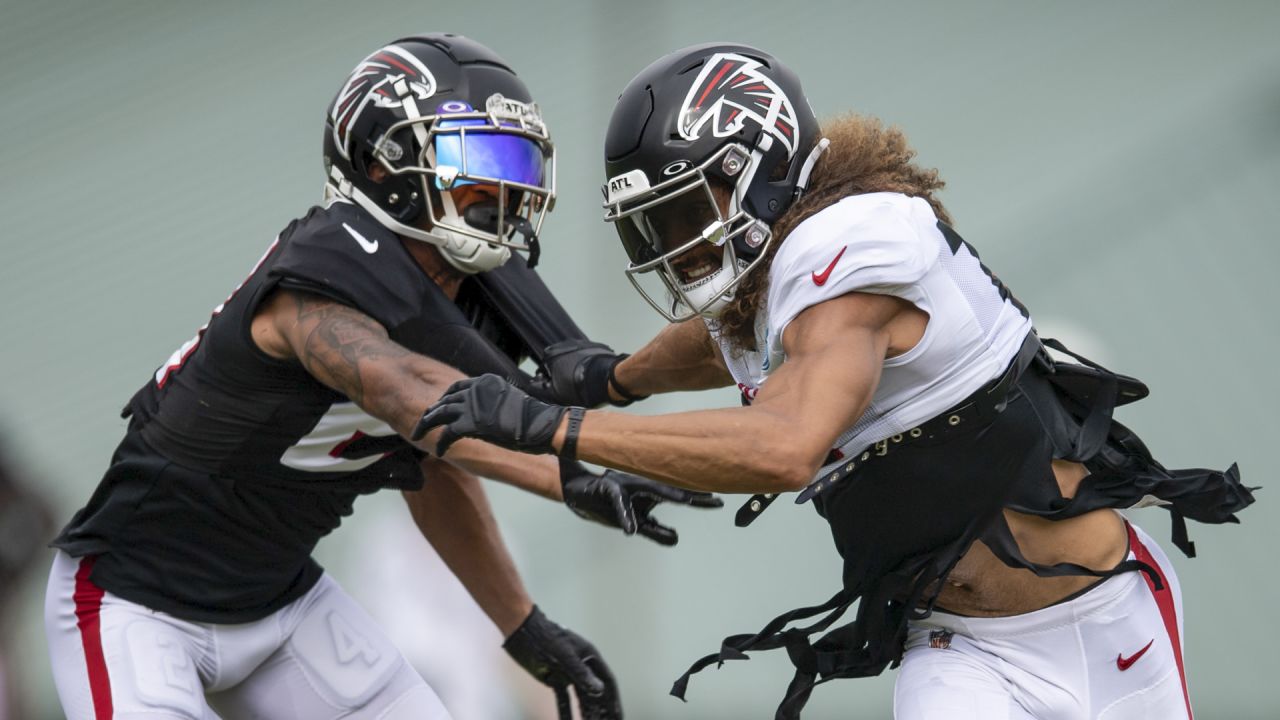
(340, 251)
(869, 243)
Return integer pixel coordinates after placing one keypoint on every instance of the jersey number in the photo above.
(955, 242)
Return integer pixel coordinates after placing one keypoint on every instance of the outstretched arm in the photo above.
(775, 444)
(681, 357)
(589, 374)
(453, 514)
(835, 351)
(834, 354)
(352, 353)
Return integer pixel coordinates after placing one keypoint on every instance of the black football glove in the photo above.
(491, 409)
(622, 500)
(561, 658)
(576, 372)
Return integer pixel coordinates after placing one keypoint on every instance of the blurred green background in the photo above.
(1116, 163)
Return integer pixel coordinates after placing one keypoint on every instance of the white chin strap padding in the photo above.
(468, 254)
(708, 295)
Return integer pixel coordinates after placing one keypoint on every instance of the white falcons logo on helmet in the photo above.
(375, 81)
(730, 90)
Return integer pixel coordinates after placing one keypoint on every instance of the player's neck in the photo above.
(444, 275)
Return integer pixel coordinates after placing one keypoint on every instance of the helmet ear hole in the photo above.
(373, 169)
(780, 171)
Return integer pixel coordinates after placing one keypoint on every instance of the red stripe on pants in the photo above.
(1164, 600)
(88, 598)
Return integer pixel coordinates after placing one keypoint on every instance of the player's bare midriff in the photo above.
(983, 586)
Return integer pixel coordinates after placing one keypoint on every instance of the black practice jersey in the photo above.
(235, 463)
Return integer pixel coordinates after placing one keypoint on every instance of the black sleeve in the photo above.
(328, 253)
(341, 253)
(527, 315)
(490, 323)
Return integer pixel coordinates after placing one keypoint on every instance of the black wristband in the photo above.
(569, 448)
(533, 618)
(628, 397)
(594, 383)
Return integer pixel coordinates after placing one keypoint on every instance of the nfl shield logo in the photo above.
(940, 639)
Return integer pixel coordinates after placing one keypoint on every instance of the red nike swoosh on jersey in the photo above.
(821, 278)
(1124, 663)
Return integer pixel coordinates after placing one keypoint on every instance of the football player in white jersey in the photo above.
(971, 481)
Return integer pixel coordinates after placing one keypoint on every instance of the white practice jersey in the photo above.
(890, 244)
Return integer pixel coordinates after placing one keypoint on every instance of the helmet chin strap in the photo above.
(482, 256)
(343, 187)
(743, 183)
(713, 291)
(485, 216)
(708, 296)
(802, 180)
(410, 107)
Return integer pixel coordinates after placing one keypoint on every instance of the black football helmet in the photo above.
(706, 149)
(438, 112)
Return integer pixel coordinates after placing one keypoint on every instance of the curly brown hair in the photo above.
(864, 157)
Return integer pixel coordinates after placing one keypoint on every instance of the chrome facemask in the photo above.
(506, 146)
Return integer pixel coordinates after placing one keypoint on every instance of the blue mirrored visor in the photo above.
(502, 156)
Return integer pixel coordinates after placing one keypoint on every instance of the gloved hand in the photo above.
(558, 657)
(622, 500)
(489, 408)
(576, 372)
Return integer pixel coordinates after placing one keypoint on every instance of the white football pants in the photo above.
(320, 657)
(1113, 653)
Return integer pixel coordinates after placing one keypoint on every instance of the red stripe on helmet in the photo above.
(712, 84)
(397, 63)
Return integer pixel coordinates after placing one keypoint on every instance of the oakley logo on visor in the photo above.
(731, 90)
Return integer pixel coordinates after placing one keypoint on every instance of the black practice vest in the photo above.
(905, 510)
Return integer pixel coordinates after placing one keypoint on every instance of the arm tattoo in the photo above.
(338, 339)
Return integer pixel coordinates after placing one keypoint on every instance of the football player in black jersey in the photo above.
(185, 586)
(959, 466)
